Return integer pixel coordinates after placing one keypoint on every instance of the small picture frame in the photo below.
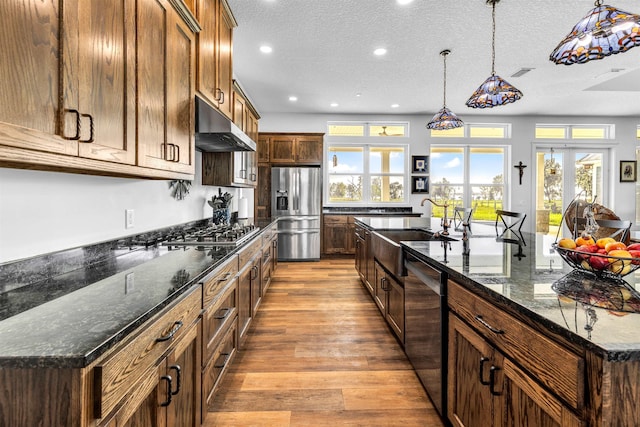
(628, 171)
(420, 164)
(419, 184)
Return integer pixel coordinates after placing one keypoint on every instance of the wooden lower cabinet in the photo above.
(338, 235)
(364, 259)
(504, 373)
(389, 297)
(248, 292)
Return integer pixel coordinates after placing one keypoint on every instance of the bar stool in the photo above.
(462, 216)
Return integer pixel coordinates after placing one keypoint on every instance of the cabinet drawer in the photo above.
(335, 219)
(551, 364)
(125, 366)
(249, 251)
(218, 279)
(222, 357)
(217, 317)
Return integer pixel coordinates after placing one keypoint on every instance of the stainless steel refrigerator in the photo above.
(296, 203)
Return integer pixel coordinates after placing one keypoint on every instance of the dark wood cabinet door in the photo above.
(183, 365)
(282, 149)
(225, 64)
(244, 301)
(309, 150)
(379, 293)
(105, 56)
(527, 403)
(207, 77)
(263, 149)
(336, 238)
(256, 283)
(395, 307)
(166, 62)
(470, 358)
(33, 109)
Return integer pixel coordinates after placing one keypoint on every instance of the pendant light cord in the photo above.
(493, 38)
(444, 88)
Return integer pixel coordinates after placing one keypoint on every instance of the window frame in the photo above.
(366, 143)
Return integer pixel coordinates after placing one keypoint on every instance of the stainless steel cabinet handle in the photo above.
(488, 326)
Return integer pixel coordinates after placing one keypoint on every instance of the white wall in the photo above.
(42, 212)
(621, 195)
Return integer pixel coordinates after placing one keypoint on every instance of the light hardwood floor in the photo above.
(319, 354)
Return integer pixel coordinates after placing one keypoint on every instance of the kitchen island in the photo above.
(555, 349)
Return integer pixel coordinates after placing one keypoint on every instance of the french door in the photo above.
(564, 173)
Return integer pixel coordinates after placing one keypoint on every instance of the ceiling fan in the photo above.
(384, 132)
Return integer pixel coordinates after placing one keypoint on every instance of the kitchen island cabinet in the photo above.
(57, 122)
(519, 348)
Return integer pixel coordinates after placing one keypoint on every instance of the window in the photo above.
(373, 129)
(545, 131)
(469, 177)
(476, 130)
(366, 174)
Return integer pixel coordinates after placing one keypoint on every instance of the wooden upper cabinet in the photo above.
(104, 52)
(239, 109)
(166, 65)
(303, 149)
(215, 66)
(30, 73)
(263, 149)
(69, 86)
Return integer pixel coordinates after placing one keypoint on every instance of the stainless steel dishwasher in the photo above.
(426, 327)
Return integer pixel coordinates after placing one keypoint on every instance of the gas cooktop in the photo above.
(213, 235)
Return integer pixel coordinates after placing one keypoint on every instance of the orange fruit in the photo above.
(603, 242)
(612, 246)
(586, 240)
(567, 243)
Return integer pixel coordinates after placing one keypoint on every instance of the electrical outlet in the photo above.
(129, 218)
(128, 283)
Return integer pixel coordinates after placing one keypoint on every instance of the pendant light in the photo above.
(604, 31)
(494, 91)
(445, 119)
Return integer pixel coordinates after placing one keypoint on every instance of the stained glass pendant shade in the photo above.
(495, 90)
(604, 31)
(445, 119)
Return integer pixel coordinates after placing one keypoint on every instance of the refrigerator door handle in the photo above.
(296, 190)
(305, 231)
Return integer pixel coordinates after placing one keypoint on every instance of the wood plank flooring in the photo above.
(319, 354)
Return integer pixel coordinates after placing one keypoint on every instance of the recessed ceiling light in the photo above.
(380, 51)
(358, 95)
(395, 105)
(334, 104)
(293, 98)
(403, 2)
(266, 49)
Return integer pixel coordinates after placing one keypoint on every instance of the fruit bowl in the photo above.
(602, 265)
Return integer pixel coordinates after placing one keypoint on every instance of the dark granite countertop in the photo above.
(369, 211)
(532, 280)
(71, 327)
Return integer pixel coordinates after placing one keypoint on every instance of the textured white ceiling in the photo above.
(322, 53)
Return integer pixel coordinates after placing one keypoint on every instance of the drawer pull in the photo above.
(178, 375)
(482, 362)
(492, 381)
(225, 277)
(176, 326)
(224, 361)
(167, 378)
(488, 326)
(225, 310)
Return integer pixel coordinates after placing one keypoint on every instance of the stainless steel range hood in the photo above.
(216, 133)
